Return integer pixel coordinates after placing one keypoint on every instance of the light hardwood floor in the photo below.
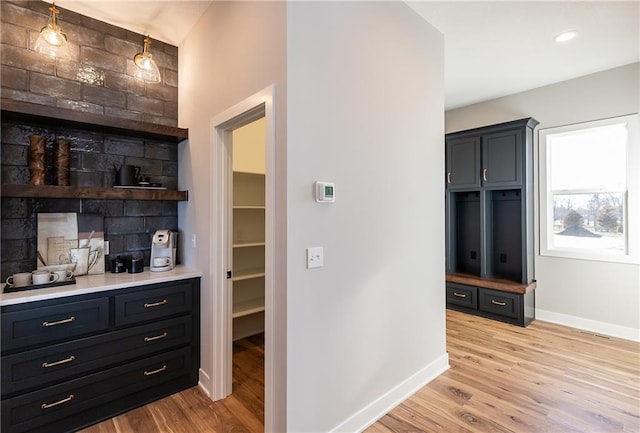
(544, 378)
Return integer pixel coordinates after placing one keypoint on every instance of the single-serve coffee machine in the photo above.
(163, 250)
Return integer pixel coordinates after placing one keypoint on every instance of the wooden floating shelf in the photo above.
(52, 191)
(19, 110)
(491, 283)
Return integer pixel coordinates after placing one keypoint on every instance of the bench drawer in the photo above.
(501, 303)
(463, 295)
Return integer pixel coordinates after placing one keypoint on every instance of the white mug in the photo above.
(21, 279)
(43, 277)
(159, 262)
(63, 275)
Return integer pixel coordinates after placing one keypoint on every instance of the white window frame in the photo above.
(631, 195)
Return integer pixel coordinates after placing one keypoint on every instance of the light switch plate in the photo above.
(315, 257)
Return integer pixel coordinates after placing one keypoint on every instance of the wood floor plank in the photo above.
(544, 378)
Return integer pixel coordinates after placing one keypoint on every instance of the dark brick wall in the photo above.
(100, 75)
(98, 79)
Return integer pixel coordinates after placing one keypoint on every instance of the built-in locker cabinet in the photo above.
(489, 216)
(504, 236)
(463, 163)
(467, 232)
(502, 162)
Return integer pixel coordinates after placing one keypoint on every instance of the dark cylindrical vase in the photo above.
(61, 159)
(37, 165)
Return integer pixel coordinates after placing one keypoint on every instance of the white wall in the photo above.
(364, 110)
(599, 296)
(235, 50)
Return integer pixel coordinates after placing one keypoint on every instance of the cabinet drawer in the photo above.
(460, 294)
(501, 303)
(41, 367)
(39, 325)
(49, 405)
(152, 304)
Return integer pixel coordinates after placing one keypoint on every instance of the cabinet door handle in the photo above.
(156, 304)
(449, 177)
(484, 174)
(157, 337)
(459, 295)
(64, 400)
(59, 322)
(494, 302)
(149, 373)
(62, 361)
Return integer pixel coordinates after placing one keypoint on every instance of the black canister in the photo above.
(136, 265)
(118, 265)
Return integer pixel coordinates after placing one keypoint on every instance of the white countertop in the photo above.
(98, 283)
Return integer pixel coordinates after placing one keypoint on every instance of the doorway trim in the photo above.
(259, 105)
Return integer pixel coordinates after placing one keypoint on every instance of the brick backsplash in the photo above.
(129, 224)
(97, 79)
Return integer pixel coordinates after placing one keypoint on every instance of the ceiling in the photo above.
(492, 48)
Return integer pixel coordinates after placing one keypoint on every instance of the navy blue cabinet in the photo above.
(70, 362)
(489, 210)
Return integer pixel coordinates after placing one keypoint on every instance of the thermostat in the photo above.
(325, 192)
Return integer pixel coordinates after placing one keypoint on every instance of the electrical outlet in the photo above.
(315, 257)
(106, 248)
(193, 240)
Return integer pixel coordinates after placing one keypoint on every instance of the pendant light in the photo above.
(148, 69)
(52, 41)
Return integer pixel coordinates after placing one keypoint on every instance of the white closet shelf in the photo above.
(248, 307)
(248, 244)
(247, 274)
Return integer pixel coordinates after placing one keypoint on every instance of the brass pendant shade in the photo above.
(52, 40)
(148, 69)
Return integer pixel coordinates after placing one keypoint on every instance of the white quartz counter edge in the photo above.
(98, 283)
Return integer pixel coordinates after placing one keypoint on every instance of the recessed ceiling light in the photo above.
(566, 36)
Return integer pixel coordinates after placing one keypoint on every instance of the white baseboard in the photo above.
(594, 326)
(378, 408)
(202, 379)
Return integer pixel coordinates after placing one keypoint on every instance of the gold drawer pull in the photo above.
(459, 295)
(149, 373)
(494, 302)
(156, 304)
(62, 361)
(64, 400)
(157, 337)
(59, 322)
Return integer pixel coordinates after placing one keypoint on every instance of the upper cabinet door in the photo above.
(502, 159)
(463, 163)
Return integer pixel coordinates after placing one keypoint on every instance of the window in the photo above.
(589, 190)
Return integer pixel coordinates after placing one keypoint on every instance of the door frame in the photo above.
(259, 105)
